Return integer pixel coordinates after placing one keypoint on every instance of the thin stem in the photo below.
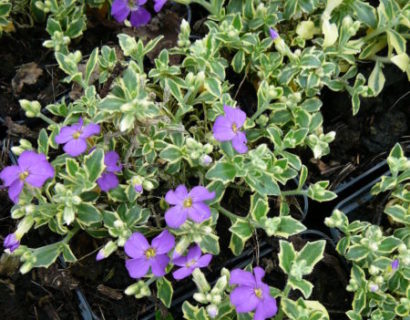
(71, 233)
(227, 213)
(296, 192)
(284, 295)
(45, 118)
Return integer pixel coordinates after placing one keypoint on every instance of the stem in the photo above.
(71, 233)
(296, 192)
(45, 118)
(150, 280)
(227, 213)
(284, 295)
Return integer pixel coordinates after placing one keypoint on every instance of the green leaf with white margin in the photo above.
(311, 253)
(238, 61)
(259, 207)
(94, 164)
(42, 142)
(262, 183)
(377, 79)
(398, 214)
(302, 285)
(222, 171)
(319, 193)
(357, 252)
(242, 229)
(210, 243)
(165, 291)
(284, 226)
(214, 87)
(290, 308)
(68, 254)
(236, 244)
(171, 153)
(287, 255)
(396, 41)
(91, 64)
(87, 214)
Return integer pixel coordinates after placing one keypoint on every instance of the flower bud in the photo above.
(212, 311)
(200, 281)
(200, 297)
(32, 108)
(206, 160)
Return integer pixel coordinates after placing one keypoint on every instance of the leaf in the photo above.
(396, 41)
(287, 255)
(94, 164)
(42, 142)
(213, 86)
(357, 252)
(165, 291)
(377, 79)
(222, 171)
(45, 256)
(236, 244)
(302, 285)
(238, 61)
(312, 253)
(263, 183)
(210, 243)
(242, 229)
(91, 64)
(259, 207)
(88, 214)
(171, 153)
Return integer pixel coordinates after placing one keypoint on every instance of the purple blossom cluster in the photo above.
(227, 128)
(155, 256)
(134, 9)
(252, 294)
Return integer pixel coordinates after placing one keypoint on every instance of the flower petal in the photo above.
(120, 10)
(178, 196)
(239, 142)
(140, 17)
(136, 245)
(29, 158)
(89, 130)
(137, 268)
(39, 172)
(200, 193)
(141, 2)
(259, 274)
(163, 243)
(241, 277)
(204, 261)
(158, 265)
(182, 273)
(267, 308)
(10, 242)
(175, 216)
(107, 181)
(9, 175)
(75, 147)
(159, 4)
(222, 129)
(199, 212)
(244, 299)
(65, 135)
(111, 159)
(180, 261)
(235, 115)
(194, 253)
(15, 190)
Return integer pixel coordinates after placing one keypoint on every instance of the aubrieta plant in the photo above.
(150, 167)
(380, 256)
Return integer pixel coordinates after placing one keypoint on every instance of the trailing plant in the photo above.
(380, 254)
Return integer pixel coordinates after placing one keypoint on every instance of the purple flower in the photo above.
(108, 179)
(100, 255)
(10, 242)
(74, 137)
(395, 264)
(32, 168)
(190, 262)
(159, 4)
(121, 9)
(187, 205)
(273, 34)
(252, 294)
(145, 255)
(138, 188)
(226, 128)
